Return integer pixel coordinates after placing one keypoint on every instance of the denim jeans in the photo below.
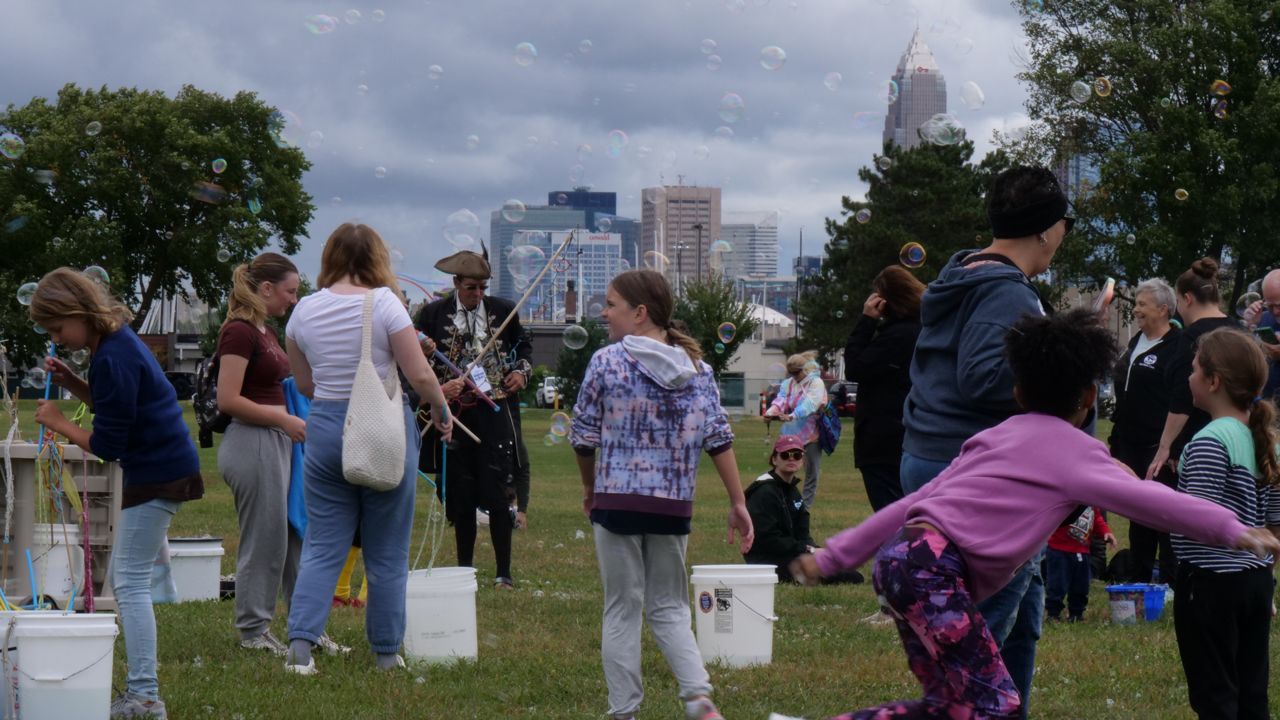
(1014, 615)
(918, 471)
(335, 509)
(1067, 577)
(141, 532)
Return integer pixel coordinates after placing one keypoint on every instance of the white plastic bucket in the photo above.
(440, 615)
(196, 564)
(63, 664)
(733, 613)
(58, 558)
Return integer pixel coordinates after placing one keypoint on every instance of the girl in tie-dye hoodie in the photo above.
(651, 407)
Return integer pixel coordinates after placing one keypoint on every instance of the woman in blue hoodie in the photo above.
(651, 406)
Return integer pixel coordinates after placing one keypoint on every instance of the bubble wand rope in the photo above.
(48, 384)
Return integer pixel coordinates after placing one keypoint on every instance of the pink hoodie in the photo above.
(1011, 487)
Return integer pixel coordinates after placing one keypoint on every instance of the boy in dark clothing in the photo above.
(1067, 564)
(778, 514)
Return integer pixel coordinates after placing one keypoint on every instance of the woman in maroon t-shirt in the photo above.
(256, 450)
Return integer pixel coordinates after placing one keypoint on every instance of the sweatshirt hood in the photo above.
(667, 365)
(956, 280)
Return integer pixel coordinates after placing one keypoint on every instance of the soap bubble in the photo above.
(776, 370)
(223, 255)
(1102, 87)
(863, 216)
(584, 47)
(362, 89)
(655, 260)
(719, 348)
(472, 142)
(964, 46)
(526, 261)
(16, 224)
(617, 142)
(219, 166)
(604, 224)
(772, 57)
(575, 337)
(26, 292)
(702, 152)
(560, 420)
(595, 310)
(207, 192)
(526, 54)
(732, 107)
(912, 255)
(379, 16)
(1246, 300)
(461, 229)
(80, 358)
(1220, 88)
(36, 377)
(380, 172)
(576, 173)
(718, 254)
(1181, 194)
(435, 72)
(513, 211)
(972, 97)
(315, 139)
(285, 127)
(942, 129)
(884, 162)
(39, 329)
(93, 128)
(255, 205)
(98, 274)
(321, 24)
(1081, 92)
(562, 198)
(353, 16)
(888, 92)
(12, 146)
(726, 332)
(1130, 239)
(839, 314)
(723, 133)
(1220, 109)
(585, 152)
(714, 62)
(45, 177)
(832, 81)
(708, 46)
(55, 241)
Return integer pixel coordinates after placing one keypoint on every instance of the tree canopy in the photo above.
(1175, 105)
(709, 307)
(164, 193)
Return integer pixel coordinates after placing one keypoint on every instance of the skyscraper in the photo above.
(922, 93)
(753, 242)
(504, 235)
(680, 223)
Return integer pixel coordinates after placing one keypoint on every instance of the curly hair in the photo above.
(1056, 359)
(67, 293)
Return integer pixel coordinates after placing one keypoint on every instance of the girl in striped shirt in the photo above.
(1222, 603)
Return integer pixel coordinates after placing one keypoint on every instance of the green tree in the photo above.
(708, 305)
(571, 366)
(149, 187)
(1152, 116)
(931, 195)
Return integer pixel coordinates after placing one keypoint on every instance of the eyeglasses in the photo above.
(1071, 222)
(791, 454)
(473, 288)
(1274, 307)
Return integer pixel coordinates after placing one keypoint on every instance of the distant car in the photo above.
(184, 383)
(844, 396)
(545, 395)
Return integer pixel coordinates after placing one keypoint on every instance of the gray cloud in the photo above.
(797, 148)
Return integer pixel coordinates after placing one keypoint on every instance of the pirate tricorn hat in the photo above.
(468, 264)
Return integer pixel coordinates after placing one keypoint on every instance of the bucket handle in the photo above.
(762, 616)
(64, 678)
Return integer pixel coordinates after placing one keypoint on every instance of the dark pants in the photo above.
(883, 482)
(1144, 542)
(1067, 577)
(482, 476)
(1223, 621)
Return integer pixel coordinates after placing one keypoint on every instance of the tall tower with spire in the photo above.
(922, 93)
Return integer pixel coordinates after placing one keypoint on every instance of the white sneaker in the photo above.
(398, 665)
(265, 641)
(327, 644)
(308, 669)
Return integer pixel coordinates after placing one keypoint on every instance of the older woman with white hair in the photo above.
(800, 398)
(1143, 388)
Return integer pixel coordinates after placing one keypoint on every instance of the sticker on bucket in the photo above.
(704, 601)
(724, 610)
(1124, 612)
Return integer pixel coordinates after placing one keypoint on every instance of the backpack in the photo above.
(828, 428)
(209, 419)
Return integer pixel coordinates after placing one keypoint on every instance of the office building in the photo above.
(529, 229)
(921, 94)
(753, 243)
(679, 222)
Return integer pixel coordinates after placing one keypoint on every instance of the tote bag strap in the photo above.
(366, 329)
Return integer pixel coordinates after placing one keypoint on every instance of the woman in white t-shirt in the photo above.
(323, 339)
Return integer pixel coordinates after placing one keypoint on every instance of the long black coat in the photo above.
(877, 356)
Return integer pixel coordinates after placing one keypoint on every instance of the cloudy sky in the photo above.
(362, 86)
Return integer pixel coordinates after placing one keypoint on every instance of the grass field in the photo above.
(539, 652)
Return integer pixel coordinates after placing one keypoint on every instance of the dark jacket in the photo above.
(878, 358)
(1142, 387)
(961, 383)
(781, 523)
(512, 352)
(1180, 375)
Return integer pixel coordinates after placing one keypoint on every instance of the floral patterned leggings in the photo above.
(919, 577)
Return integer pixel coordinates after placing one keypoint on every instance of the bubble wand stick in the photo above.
(48, 384)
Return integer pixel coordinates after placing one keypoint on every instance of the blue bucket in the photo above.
(1139, 602)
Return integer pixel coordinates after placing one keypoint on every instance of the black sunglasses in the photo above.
(791, 454)
(1071, 222)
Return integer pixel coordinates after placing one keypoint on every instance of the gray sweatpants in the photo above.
(812, 467)
(646, 573)
(255, 463)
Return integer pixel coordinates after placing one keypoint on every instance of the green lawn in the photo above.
(539, 653)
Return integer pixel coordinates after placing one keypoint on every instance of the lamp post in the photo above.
(698, 227)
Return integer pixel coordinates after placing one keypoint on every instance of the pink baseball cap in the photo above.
(788, 442)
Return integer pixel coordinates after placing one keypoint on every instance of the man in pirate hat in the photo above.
(481, 475)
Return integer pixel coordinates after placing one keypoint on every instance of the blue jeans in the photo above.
(1067, 576)
(1014, 615)
(141, 531)
(335, 509)
(916, 471)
